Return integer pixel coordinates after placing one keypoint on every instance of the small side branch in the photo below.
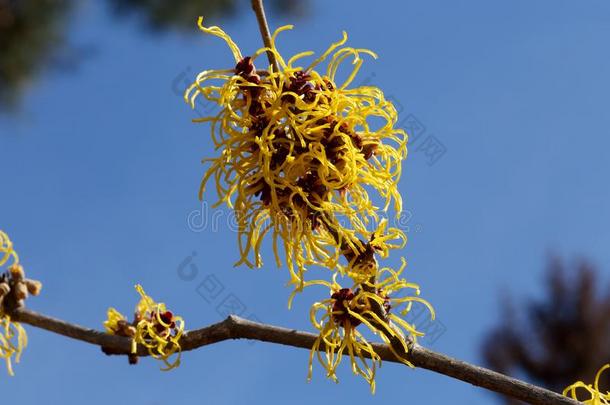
(259, 10)
(238, 328)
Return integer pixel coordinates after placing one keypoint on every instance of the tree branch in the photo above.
(259, 10)
(235, 327)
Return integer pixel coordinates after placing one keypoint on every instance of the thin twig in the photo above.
(237, 328)
(259, 10)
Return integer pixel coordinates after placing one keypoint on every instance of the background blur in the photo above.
(506, 106)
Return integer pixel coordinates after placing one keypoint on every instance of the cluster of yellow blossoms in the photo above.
(153, 327)
(596, 397)
(347, 308)
(13, 338)
(299, 153)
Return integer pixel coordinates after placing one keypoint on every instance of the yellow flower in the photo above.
(113, 323)
(596, 397)
(154, 327)
(363, 266)
(7, 252)
(299, 152)
(338, 336)
(13, 340)
(117, 324)
(379, 307)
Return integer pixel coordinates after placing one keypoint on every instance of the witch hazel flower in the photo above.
(589, 394)
(298, 147)
(379, 308)
(153, 327)
(14, 289)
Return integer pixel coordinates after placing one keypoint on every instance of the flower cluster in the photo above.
(379, 307)
(299, 153)
(14, 289)
(304, 158)
(13, 339)
(154, 327)
(596, 397)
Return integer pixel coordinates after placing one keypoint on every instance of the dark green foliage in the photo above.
(30, 32)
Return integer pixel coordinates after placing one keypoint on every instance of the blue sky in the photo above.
(101, 170)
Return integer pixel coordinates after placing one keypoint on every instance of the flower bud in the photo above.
(17, 272)
(33, 286)
(4, 289)
(21, 291)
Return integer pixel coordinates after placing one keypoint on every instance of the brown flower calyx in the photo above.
(347, 302)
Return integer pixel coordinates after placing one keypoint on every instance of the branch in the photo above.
(259, 10)
(235, 327)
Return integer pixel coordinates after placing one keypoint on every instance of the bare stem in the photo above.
(259, 10)
(237, 328)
